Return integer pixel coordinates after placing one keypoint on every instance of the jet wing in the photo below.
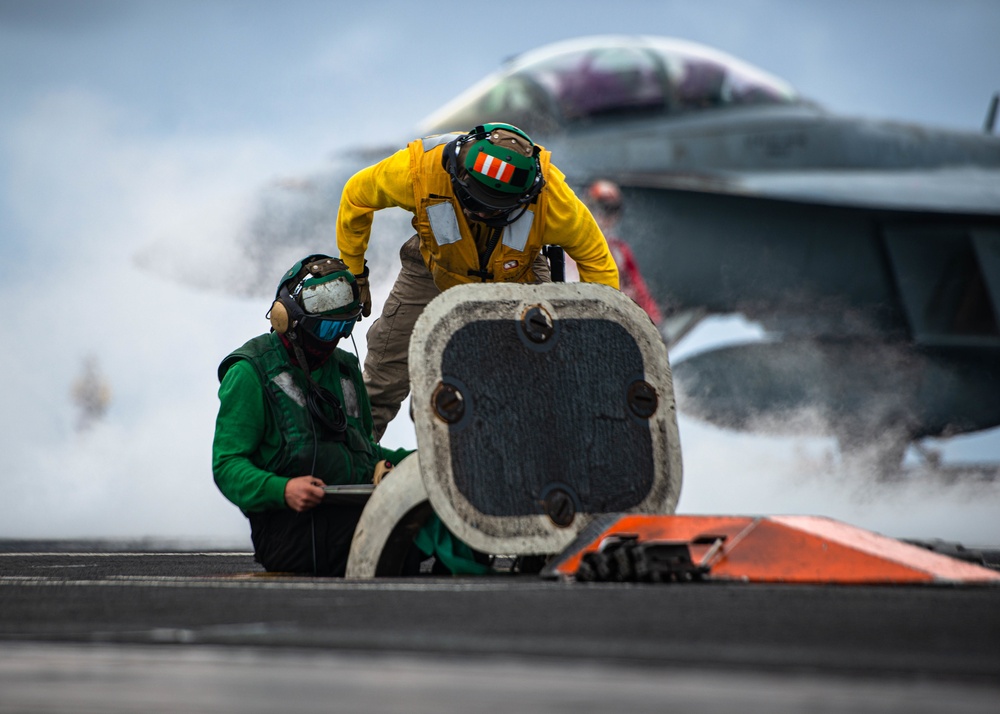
(963, 190)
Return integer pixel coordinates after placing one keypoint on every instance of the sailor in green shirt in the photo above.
(283, 432)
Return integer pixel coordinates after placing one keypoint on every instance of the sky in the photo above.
(126, 125)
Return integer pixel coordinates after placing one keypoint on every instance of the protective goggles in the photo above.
(327, 293)
(334, 293)
(328, 330)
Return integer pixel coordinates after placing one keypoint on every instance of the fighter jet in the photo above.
(869, 251)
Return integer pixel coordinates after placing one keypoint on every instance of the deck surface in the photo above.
(188, 631)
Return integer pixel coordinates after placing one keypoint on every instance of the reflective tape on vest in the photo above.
(515, 235)
(444, 223)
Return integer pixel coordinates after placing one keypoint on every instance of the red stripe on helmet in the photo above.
(493, 167)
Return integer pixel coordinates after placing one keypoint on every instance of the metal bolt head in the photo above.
(642, 399)
(449, 404)
(537, 324)
(559, 507)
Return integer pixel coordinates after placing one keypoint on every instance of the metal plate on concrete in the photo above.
(538, 407)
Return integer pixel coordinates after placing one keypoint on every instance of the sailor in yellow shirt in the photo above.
(484, 204)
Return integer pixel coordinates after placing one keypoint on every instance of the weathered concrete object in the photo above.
(392, 516)
(537, 409)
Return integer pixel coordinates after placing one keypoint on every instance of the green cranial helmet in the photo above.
(318, 295)
(495, 167)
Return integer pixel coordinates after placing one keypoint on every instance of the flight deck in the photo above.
(208, 628)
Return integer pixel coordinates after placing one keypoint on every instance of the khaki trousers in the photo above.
(387, 373)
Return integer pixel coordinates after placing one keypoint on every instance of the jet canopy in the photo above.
(584, 79)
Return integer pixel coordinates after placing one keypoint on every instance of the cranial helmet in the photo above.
(494, 169)
(604, 196)
(319, 296)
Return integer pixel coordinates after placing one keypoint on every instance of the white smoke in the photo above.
(729, 472)
(90, 195)
(94, 198)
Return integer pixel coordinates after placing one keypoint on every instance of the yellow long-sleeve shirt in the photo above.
(414, 179)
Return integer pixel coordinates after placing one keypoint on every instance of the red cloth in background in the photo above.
(630, 279)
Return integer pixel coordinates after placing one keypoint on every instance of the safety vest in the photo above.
(346, 460)
(446, 243)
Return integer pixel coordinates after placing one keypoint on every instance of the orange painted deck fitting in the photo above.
(791, 549)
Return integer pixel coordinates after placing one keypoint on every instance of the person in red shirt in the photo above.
(604, 199)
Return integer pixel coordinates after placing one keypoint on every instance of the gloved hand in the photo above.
(381, 469)
(364, 292)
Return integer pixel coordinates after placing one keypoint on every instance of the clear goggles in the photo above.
(325, 294)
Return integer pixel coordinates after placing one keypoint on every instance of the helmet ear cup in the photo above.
(278, 315)
(285, 312)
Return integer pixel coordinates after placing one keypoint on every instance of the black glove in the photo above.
(364, 292)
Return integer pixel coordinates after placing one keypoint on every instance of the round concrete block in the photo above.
(391, 518)
(538, 408)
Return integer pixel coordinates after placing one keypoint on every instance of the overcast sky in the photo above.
(126, 124)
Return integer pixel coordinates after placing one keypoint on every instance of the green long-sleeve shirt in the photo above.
(247, 437)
